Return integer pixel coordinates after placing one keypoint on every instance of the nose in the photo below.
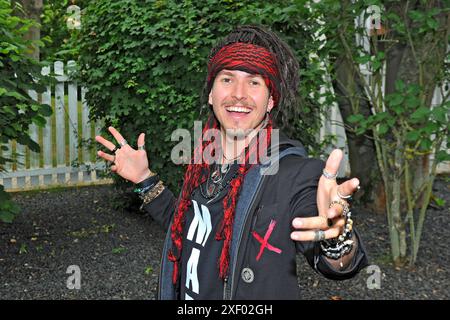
(239, 90)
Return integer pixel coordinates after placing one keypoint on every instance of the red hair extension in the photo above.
(192, 179)
(230, 201)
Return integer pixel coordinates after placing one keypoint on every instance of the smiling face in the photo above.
(240, 100)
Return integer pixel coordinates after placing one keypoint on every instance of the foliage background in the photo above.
(18, 74)
(144, 63)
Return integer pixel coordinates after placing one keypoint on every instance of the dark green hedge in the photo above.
(144, 64)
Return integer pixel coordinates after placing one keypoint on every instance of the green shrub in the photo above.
(144, 64)
(18, 74)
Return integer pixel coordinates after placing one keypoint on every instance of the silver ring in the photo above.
(124, 142)
(319, 235)
(141, 147)
(329, 175)
(341, 196)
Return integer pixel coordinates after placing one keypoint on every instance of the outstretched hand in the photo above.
(129, 163)
(330, 219)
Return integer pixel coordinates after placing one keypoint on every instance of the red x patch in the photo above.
(265, 242)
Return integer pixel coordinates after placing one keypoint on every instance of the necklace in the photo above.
(214, 184)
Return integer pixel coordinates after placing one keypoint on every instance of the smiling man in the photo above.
(234, 232)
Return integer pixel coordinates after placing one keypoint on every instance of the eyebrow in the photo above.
(229, 73)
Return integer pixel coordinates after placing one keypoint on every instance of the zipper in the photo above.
(164, 253)
(225, 281)
(228, 292)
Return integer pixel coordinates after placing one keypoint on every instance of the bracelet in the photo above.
(342, 245)
(147, 183)
(152, 194)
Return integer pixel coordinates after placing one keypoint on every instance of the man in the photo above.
(233, 232)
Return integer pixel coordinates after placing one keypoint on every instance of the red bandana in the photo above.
(249, 58)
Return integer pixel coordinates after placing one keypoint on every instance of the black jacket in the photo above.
(281, 197)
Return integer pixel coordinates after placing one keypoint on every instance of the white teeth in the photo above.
(238, 109)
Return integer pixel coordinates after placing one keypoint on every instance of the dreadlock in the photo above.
(286, 89)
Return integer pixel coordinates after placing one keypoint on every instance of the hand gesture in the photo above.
(330, 219)
(129, 163)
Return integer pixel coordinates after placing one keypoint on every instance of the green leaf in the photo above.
(413, 136)
(442, 156)
(412, 102)
(432, 23)
(7, 217)
(355, 118)
(118, 250)
(39, 121)
(400, 85)
(383, 128)
(425, 144)
(396, 99)
(416, 15)
(420, 114)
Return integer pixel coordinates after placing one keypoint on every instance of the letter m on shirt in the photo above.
(201, 223)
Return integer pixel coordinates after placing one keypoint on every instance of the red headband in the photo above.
(249, 58)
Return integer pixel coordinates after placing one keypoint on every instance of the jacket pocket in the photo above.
(263, 216)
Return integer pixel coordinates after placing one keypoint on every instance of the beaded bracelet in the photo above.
(152, 194)
(342, 245)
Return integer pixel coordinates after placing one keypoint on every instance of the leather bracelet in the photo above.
(151, 180)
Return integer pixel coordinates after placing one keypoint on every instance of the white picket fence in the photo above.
(54, 165)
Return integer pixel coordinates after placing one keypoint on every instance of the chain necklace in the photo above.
(214, 184)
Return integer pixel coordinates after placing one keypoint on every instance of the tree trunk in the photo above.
(361, 148)
(33, 10)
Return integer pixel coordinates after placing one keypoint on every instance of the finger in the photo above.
(141, 140)
(113, 168)
(309, 235)
(348, 187)
(334, 161)
(116, 135)
(338, 223)
(318, 222)
(108, 144)
(106, 156)
(335, 211)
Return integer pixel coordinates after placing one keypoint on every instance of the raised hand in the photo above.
(129, 163)
(329, 220)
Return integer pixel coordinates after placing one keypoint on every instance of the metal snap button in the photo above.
(247, 275)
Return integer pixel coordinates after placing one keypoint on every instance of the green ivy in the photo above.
(144, 64)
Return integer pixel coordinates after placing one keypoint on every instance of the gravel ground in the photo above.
(118, 252)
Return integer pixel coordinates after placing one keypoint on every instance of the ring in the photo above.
(124, 142)
(341, 196)
(319, 235)
(141, 147)
(329, 175)
(115, 149)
